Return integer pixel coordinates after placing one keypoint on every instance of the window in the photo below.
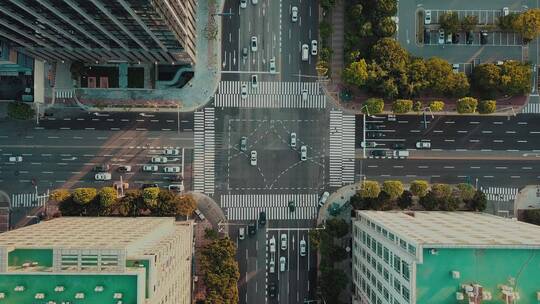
(397, 263)
(379, 268)
(374, 245)
(397, 285)
(412, 249)
(386, 294)
(391, 235)
(403, 244)
(405, 293)
(385, 232)
(379, 249)
(405, 270)
(378, 229)
(379, 286)
(386, 275)
(386, 255)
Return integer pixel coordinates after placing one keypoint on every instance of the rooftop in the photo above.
(461, 229)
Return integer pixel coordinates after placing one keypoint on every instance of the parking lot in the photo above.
(492, 39)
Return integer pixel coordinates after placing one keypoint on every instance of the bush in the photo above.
(478, 202)
(393, 188)
(531, 216)
(84, 196)
(150, 196)
(418, 106)
(436, 106)
(59, 195)
(402, 106)
(374, 106)
(107, 196)
(185, 205)
(429, 201)
(370, 189)
(20, 110)
(325, 30)
(405, 200)
(467, 105)
(419, 188)
(466, 191)
(487, 106)
(441, 191)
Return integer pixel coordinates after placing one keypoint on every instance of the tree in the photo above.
(386, 27)
(68, 207)
(486, 78)
(390, 56)
(107, 197)
(211, 234)
(528, 24)
(465, 191)
(325, 30)
(385, 8)
(84, 196)
(478, 202)
(449, 22)
(356, 73)
(436, 106)
(418, 106)
(220, 271)
(369, 189)
(166, 205)
(332, 281)
(419, 187)
(185, 204)
(131, 204)
(366, 29)
(315, 238)
(402, 106)
(337, 228)
(363, 203)
(531, 216)
(59, 195)
(515, 78)
(20, 110)
(393, 188)
(429, 201)
(438, 71)
(373, 106)
(416, 77)
(487, 106)
(441, 191)
(327, 4)
(449, 204)
(150, 196)
(457, 84)
(506, 23)
(469, 23)
(405, 200)
(467, 105)
(355, 12)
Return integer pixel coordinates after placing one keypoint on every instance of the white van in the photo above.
(305, 52)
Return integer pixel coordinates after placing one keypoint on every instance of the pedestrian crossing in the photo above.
(64, 93)
(204, 151)
(500, 194)
(531, 108)
(342, 156)
(29, 200)
(276, 206)
(270, 95)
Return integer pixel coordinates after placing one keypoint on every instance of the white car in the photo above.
(171, 152)
(283, 241)
(15, 159)
(150, 168)
(241, 233)
(282, 264)
(303, 153)
(441, 36)
(254, 81)
(253, 44)
(272, 266)
(323, 199)
(305, 52)
(423, 145)
(253, 159)
(294, 13)
(273, 65)
(303, 247)
(427, 17)
(159, 160)
(272, 245)
(102, 176)
(455, 67)
(254, 2)
(293, 140)
(243, 3)
(171, 169)
(304, 94)
(243, 91)
(505, 11)
(368, 144)
(314, 47)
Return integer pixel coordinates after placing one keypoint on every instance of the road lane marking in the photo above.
(461, 150)
(36, 164)
(474, 140)
(526, 168)
(53, 137)
(486, 150)
(449, 122)
(169, 120)
(510, 132)
(423, 167)
(474, 122)
(415, 131)
(522, 123)
(487, 132)
(46, 155)
(497, 123)
(449, 167)
(126, 138)
(89, 128)
(475, 167)
(462, 131)
(47, 172)
(498, 140)
(80, 119)
(403, 121)
(77, 137)
(124, 119)
(373, 166)
(435, 176)
(102, 137)
(488, 176)
(65, 128)
(140, 129)
(514, 176)
(501, 168)
(438, 131)
(398, 167)
(165, 129)
(534, 132)
(29, 137)
(521, 141)
(512, 150)
(39, 128)
(450, 140)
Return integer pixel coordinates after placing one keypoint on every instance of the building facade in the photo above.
(98, 260)
(444, 257)
(99, 31)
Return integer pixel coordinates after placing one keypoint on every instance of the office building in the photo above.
(444, 257)
(97, 260)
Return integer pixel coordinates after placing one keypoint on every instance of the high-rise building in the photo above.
(444, 257)
(97, 260)
(146, 31)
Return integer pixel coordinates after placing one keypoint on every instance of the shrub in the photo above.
(467, 105)
(405, 200)
(325, 30)
(150, 196)
(107, 196)
(436, 106)
(441, 190)
(370, 189)
(418, 106)
(374, 106)
(532, 216)
(84, 196)
(419, 187)
(466, 191)
(59, 195)
(393, 188)
(402, 106)
(487, 106)
(20, 110)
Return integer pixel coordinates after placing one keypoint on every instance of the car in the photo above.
(253, 44)
(144, 186)
(272, 290)
(244, 53)
(427, 17)
(303, 247)
(427, 36)
(262, 218)
(304, 94)
(374, 134)
(314, 49)
(398, 146)
(282, 264)
(441, 36)
(252, 228)
(243, 143)
(483, 37)
(171, 169)
(15, 159)
(505, 11)
(102, 168)
(455, 38)
(293, 140)
(305, 52)
(253, 159)
(171, 152)
(272, 245)
(378, 153)
(254, 2)
(150, 168)
(118, 185)
(254, 82)
(243, 91)
(423, 145)
(272, 266)
(292, 206)
(273, 65)
(123, 169)
(159, 160)
(455, 67)
(323, 198)
(283, 241)
(368, 144)
(175, 178)
(294, 13)
(102, 176)
(199, 214)
(449, 38)
(469, 37)
(303, 153)
(243, 3)
(176, 187)
(242, 233)
(373, 127)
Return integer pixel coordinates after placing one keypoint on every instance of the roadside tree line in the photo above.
(401, 106)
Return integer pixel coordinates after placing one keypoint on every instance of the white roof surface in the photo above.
(467, 229)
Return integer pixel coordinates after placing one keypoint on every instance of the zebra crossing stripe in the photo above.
(500, 194)
(531, 108)
(276, 206)
(342, 134)
(204, 152)
(29, 200)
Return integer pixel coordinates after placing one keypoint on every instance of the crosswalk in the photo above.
(531, 108)
(29, 200)
(342, 134)
(276, 206)
(64, 93)
(500, 194)
(204, 151)
(270, 95)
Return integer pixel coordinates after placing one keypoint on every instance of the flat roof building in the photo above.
(101, 260)
(444, 257)
(147, 31)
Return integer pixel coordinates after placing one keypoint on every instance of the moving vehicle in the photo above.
(293, 140)
(303, 247)
(305, 52)
(400, 153)
(455, 67)
(505, 11)
(441, 36)
(273, 65)
(243, 91)
(253, 44)
(176, 187)
(252, 228)
(171, 169)
(282, 264)
(272, 245)
(253, 159)
(171, 152)
(98, 168)
(284, 241)
(262, 218)
(102, 176)
(272, 290)
(159, 160)
(294, 13)
(304, 94)
(244, 53)
(368, 144)
(150, 168)
(243, 143)
(242, 233)
(303, 153)
(254, 82)
(427, 17)
(124, 169)
(243, 3)
(483, 37)
(423, 145)
(314, 47)
(272, 266)
(254, 2)
(323, 198)
(378, 153)
(144, 186)
(18, 159)
(199, 214)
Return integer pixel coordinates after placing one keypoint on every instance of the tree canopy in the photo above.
(84, 195)
(220, 271)
(369, 189)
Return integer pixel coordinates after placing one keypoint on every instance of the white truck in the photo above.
(400, 154)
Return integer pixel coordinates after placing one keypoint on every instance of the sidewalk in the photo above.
(211, 210)
(467, 154)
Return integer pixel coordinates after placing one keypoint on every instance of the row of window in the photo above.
(388, 235)
(383, 294)
(384, 253)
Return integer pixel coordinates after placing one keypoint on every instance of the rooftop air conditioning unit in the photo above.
(455, 274)
(459, 296)
(486, 295)
(434, 252)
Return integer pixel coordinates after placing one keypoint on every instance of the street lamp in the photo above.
(424, 114)
(364, 129)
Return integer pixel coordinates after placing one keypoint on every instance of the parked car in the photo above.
(469, 37)
(294, 13)
(273, 65)
(244, 53)
(150, 168)
(314, 50)
(16, 159)
(368, 144)
(272, 266)
(174, 169)
(303, 153)
(323, 198)
(243, 3)
(144, 186)
(253, 159)
(171, 152)
(254, 82)
(483, 37)
(282, 264)
(176, 187)
(102, 176)
(175, 178)
(455, 38)
(272, 290)
(253, 44)
(254, 2)
(283, 241)
(243, 143)
(123, 169)
(423, 145)
(305, 52)
(101, 168)
(159, 160)
(378, 153)
(272, 243)
(427, 17)
(243, 91)
(441, 36)
(455, 67)
(303, 247)
(427, 36)
(241, 233)
(293, 140)
(398, 146)
(448, 38)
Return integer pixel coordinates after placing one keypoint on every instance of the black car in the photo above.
(144, 186)
(469, 37)
(455, 38)
(378, 153)
(373, 127)
(262, 218)
(102, 168)
(483, 37)
(374, 134)
(123, 169)
(272, 290)
(175, 178)
(398, 146)
(252, 228)
(427, 36)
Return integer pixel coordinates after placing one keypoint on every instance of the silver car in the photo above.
(253, 159)
(303, 153)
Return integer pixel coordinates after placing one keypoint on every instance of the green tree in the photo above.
(107, 197)
(355, 12)
(402, 106)
(457, 84)
(131, 204)
(220, 271)
(465, 191)
(429, 201)
(386, 27)
(449, 22)
(185, 204)
(20, 110)
(373, 105)
(68, 207)
(449, 204)
(332, 282)
(315, 238)
(486, 79)
(442, 191)
(385, 8)
(356, 73)
(369, 189)
(416, 77)
(418, 106)
(419, 187)
(390, 56)
(150, 196)
(467, 105)
(59, 195)
(436, 106)
(84, 196)
(528, 24)
(325, 30)
(487, 106)
(165, 205)
(531, 216)
(327, 4)
(515, 78)
(337, 228)
(506, 23)
(211, 234)
(469, 23)
(405, 200)
(393, 188)
(366, 29)
(478, 202)
(438, 72)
